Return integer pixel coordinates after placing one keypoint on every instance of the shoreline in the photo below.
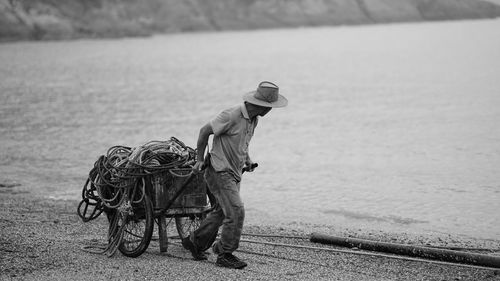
(42, 239)
(6, 41)
(44, 20)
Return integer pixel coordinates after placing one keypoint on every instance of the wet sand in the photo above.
(42, 239)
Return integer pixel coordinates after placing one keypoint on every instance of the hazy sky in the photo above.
(495, 1)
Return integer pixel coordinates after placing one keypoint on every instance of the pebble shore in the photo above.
(43, 239)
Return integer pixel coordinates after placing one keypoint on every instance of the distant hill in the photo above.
(67, 19)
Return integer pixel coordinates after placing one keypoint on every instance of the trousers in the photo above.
(229, 212)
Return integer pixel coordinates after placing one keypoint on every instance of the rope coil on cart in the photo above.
(112, 184)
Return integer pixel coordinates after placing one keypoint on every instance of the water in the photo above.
(389, 127)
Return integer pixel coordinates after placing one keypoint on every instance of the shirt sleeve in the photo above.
(221, 123)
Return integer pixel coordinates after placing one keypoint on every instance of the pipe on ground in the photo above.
(409, 250)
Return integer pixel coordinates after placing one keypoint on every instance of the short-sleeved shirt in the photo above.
(233, 130)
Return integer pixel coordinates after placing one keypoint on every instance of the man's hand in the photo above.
(198, 166)
(249, 166)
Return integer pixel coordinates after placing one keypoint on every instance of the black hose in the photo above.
(410, 250)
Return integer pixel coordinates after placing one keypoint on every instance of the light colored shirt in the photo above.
(233, 130)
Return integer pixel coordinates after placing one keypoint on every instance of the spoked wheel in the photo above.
(185, 225)
(134, 222)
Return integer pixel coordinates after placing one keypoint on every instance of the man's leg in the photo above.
(234, 211)
(204, 236)
(229, 212)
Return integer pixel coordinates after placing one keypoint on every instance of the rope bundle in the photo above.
(112, 182)
(115, 173)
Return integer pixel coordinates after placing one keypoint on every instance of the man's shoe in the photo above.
(189, 245)
(230, 261)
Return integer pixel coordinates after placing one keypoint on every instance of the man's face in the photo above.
(264, 110)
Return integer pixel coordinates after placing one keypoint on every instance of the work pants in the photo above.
(229, 213)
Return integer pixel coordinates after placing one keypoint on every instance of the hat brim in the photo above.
(280, 102)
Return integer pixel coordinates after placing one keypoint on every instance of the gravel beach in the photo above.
(44, 239)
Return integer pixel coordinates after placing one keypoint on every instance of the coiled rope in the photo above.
(112, 183)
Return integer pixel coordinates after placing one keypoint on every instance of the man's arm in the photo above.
(201, 145)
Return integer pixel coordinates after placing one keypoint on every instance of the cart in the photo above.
(174, 195)
(134, 200)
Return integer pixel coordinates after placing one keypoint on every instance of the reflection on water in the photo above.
(388, 126)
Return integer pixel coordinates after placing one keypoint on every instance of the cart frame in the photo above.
(178, 194)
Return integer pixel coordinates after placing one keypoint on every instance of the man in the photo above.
(232, 129)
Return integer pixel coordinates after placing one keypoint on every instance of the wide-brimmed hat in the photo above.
(267, 95)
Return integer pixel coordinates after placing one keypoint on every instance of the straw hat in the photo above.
(267, 95)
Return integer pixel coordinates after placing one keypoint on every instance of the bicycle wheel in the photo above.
(138, 222)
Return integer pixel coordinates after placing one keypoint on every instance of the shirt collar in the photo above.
(244, 111)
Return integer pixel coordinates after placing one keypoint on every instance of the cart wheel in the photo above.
(185, 225)
(138, 224)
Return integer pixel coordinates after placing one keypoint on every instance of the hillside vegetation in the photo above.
(53, 19)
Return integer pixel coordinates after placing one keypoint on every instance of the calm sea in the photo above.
(392, 127)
